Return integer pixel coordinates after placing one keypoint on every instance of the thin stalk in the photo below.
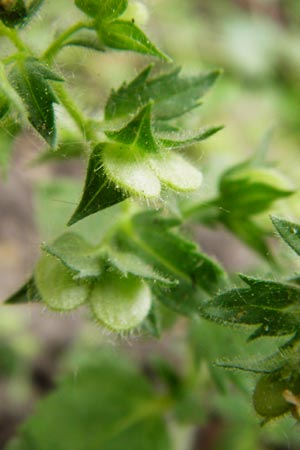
(12, 35)
(81, 121)
(58, 43)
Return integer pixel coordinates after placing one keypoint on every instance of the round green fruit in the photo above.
(268, 397)
(120, 303)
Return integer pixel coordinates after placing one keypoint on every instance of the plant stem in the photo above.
(57, 44)
(12, 35)
(82, 122)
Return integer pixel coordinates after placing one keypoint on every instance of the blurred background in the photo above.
(256, 43)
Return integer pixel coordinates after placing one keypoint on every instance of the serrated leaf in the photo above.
(56, 285)
(99, 192)
(172, 140)
(27, 293)
(76, 254)
(138, 132)
(120, 303)
(125, 35)
(174, 257)
(30, 79)
(254, 364)
(171, 94)
(272, 305)
(108, 405)
(102, 10)
(289, 231)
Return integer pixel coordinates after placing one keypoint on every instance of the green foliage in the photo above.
(245, 190)
(108, 405)
(132, 264)
(30, 79)
(272, 305)
(171, 95)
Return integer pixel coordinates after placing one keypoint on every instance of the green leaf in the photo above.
(30, 79)
(272, 305)
(108, 405)
(124, 35)
(76, 254)
(289, 231)
(99, 192)
(171, 94)
(102, 10)
(173, 256)
(138, 132)
(129, 263)
(27, 293)
(120, 303)
(173, 140)
(244, 188)
(56, 285)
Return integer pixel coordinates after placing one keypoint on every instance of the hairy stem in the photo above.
(58, 43)
(81, 121)
(12, 35)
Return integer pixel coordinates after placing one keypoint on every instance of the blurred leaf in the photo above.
(124, 35)
(251, 190)
(108, 405)
(171, 95)
(30, 79)
(98, 191)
